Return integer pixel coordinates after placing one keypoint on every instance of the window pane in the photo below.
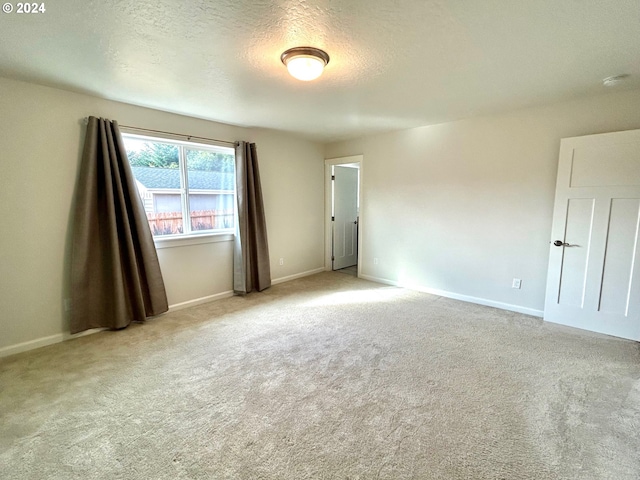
(156, 168)
(167, 170)
(211, 181)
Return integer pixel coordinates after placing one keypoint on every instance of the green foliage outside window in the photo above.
(164, 155)
(157, 155)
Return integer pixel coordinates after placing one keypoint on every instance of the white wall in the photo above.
(464, 207)
(41, 139)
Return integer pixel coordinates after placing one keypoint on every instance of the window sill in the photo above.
(186, 240)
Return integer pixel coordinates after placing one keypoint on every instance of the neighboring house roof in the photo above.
(156, 178)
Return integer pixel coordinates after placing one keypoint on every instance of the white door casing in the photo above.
(345, 221)
(593, 278)
(329, 163)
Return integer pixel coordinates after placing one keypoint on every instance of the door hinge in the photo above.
(333, 219)
(333, 177)
(333, 258)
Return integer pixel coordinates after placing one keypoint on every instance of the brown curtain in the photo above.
(251, 268)
(115, 275)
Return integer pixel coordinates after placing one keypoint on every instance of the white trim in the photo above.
(61, 337)
(31, 344)
(351, 161)
(456, 296)
(276, 281)
(354, 161)
(193, 239)
(229, 293)
(200, 301)
(44, 341)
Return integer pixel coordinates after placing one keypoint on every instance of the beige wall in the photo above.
(464, 207)
(41, 137)
(461, 207)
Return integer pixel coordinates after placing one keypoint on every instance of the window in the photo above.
(187, 188)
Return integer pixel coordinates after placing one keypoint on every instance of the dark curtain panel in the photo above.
(115, 275)
(251, 268)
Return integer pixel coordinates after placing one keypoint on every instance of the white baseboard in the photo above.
(276, 281)
(200, 301)
(31, 344)
(220, 296)
(60, 337)
(44, 341)
(456, 296)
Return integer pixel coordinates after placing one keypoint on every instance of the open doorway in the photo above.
(343, 213)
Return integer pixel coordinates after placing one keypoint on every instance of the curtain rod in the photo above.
(188, 137)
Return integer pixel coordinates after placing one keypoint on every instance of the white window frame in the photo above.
(188, 237)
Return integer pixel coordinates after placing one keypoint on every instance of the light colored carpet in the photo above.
(326, 377)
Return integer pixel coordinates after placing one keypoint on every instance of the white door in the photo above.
(345, 217)
(593, 280)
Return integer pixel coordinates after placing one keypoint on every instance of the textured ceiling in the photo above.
(394, 63)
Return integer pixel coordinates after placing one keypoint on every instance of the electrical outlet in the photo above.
(282, 261)
(375, 260)
(517, 283)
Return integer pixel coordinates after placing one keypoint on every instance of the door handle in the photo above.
(560, 243)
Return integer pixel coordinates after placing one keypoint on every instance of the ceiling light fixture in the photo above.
(305, 63)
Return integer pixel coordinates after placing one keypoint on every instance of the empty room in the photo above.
(330, 239)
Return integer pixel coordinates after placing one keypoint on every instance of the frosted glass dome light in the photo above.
(305, 63)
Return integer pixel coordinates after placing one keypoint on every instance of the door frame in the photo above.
(328, 198)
